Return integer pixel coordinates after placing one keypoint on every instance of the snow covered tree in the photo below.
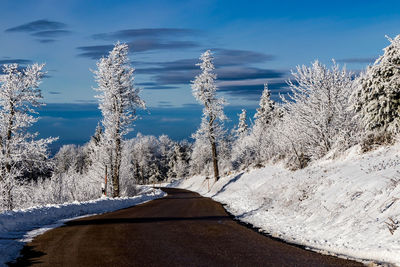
(257, 147)
(19, 151)
(242, 127)
(265, 112)
(165, 155)
(118, 101)
(377, 100)
(317, 112)
(97, 159)
(178, 163)
(204, 90)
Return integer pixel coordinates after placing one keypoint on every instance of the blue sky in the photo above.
(253, 42)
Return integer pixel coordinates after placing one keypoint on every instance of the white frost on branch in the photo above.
(118, 101)
(20, 152)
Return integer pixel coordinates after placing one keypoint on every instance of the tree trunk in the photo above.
(117, 165)
(213, 147)
(215, 160)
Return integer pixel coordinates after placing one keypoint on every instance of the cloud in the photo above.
(175, 77)
(177, 65)
(228, 57)
(51, 33)
(38, 25)
(95, 51)
(361, 60)
(148, 44)
(130, 34)
(45, 30)
(160, 87)
(246, 73)
(254, 91)
(223, 74)
(142, 45)
(15, 60)
(231, 66)
(46, 41)
(222, 58)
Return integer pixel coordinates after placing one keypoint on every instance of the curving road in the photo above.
(183, 229)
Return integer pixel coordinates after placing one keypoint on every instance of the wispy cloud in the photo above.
(358, 60)
(45, 41)
(130, 34)
(95, 51)
(141, 45)
(229, 57)
(51, 34)
(38, 25)
(43, 29)
(15, 60)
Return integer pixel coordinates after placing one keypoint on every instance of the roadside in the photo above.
(21, 226)
(346, 206)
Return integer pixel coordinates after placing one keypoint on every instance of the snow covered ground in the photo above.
(20, 226)
(347, 206)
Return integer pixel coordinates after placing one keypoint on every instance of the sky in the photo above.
(253, 42)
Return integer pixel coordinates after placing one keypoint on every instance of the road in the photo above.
(183, 229)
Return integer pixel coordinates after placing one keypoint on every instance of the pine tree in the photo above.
(19, 151)
(118, 101)
(204, 90)
(265, 112)
(264, 117)
(242, 127)
(377, 99)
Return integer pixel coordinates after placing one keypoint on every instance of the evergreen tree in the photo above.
(265, 112)
(242, 127)
(377, 99)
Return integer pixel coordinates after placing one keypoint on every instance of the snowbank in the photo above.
(347, 206)
(20, 226)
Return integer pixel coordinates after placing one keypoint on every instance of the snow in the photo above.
(20, 226)
(337, 206)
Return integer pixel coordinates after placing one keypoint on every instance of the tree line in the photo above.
(327, 111)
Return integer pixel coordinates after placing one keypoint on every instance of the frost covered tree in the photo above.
(19, 149)
(317, 112)
(377, 100)
(204, 90)
(265, 112)
(242, 127)
(118, 101)
(257, 146)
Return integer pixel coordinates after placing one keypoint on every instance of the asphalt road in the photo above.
(183, 229)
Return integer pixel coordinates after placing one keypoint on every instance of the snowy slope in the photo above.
(340, 206)
(20, 226)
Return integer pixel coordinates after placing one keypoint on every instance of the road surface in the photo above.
(183, 229)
